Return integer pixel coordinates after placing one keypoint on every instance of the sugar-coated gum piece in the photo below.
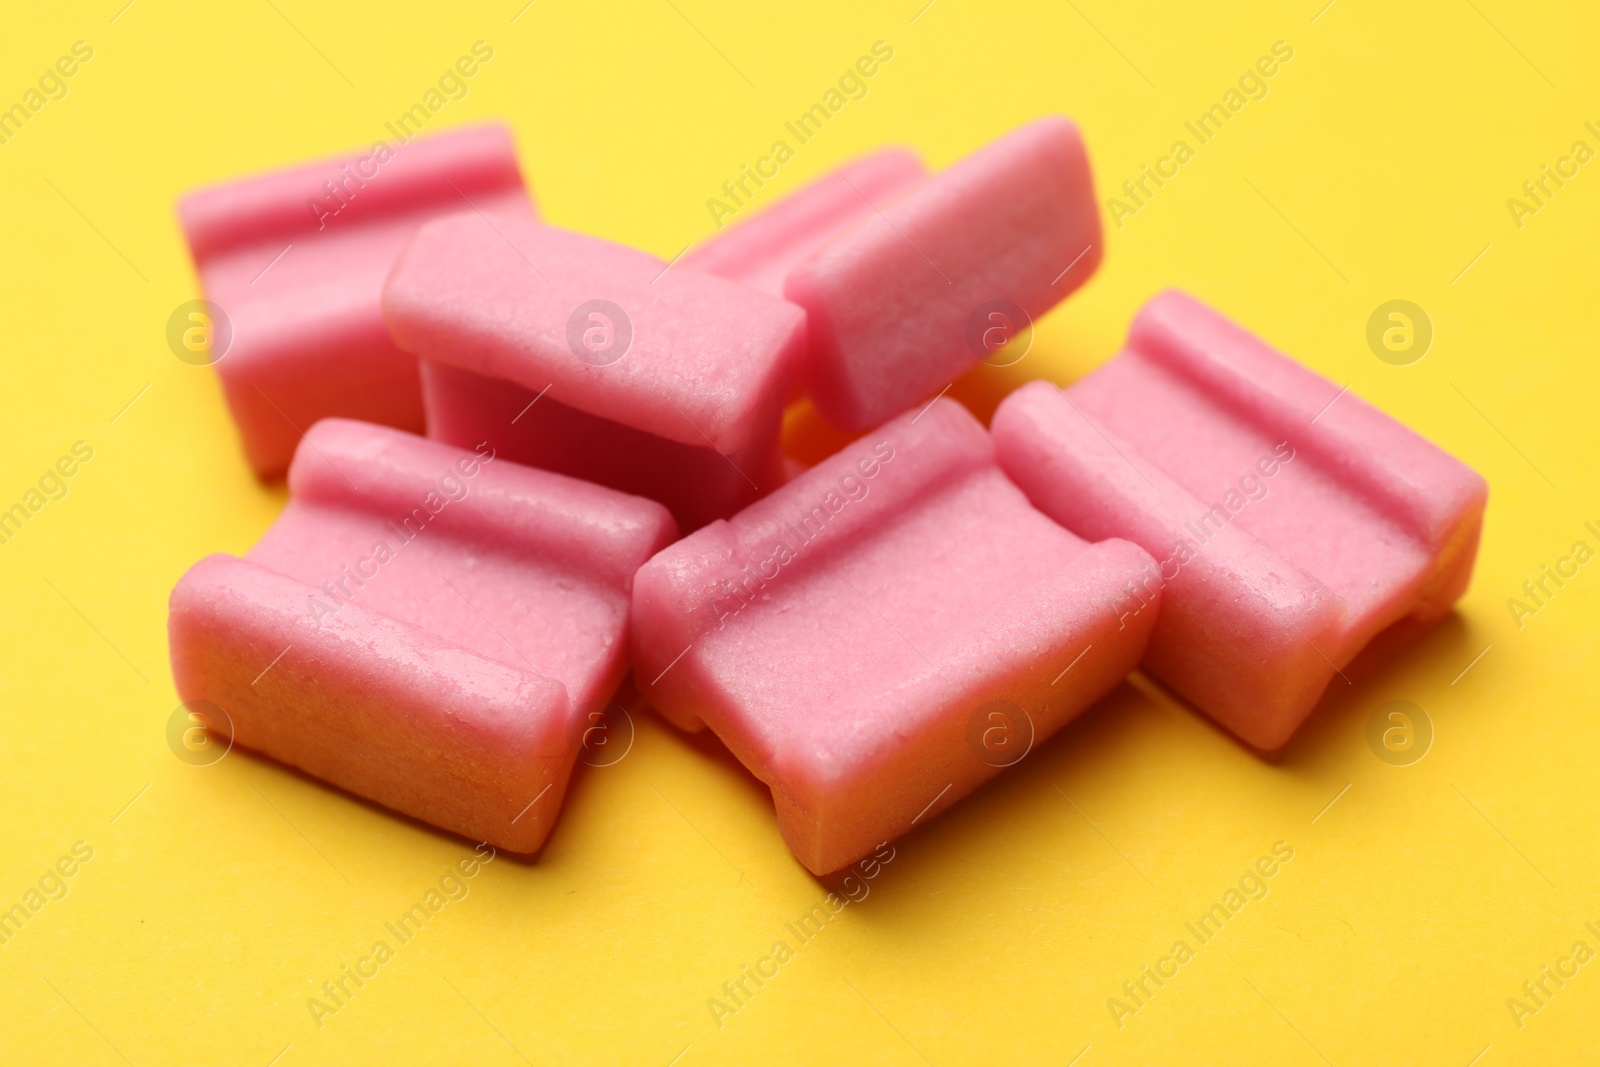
(1292, 521)
(296, 259)
(890, 302)
(374, 705)
(708, 358)
(762, 249)
(842, 634)
(698, 360)
(426, 627)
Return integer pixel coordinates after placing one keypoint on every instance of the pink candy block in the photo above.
(884, 633)
(430, 628)
(898, 304)
(1292, 522)
(666, 382)
(296, 260)
(761, 250)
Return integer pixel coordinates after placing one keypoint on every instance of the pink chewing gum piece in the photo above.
(666, 382)
(884, 633)
(429, 628)
(898, 305)
(761, 250)
(1292, 522)
(296, 259)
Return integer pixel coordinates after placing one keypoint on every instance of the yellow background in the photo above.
(1378, 167)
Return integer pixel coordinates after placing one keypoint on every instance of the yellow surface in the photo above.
(1378, 167)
